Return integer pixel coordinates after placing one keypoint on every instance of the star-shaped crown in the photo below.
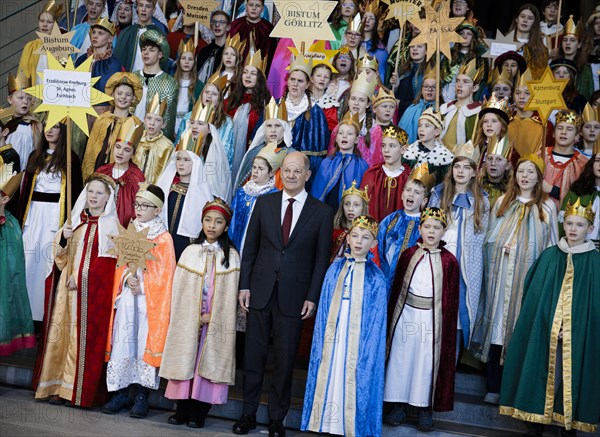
(580, 211)
(353, 190)
(187, 46)
(106, 24)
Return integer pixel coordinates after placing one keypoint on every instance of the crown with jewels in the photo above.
(497, 106)
(571, 28)
(235, 43)
(255, 59)
(421, 173)
(539, 162)
(523, 79)
(130, 132)
(220, 206)
(9, 179)
(356, 24)
(470, 69)
(436, 214)
(351, 120)
(366, 222)
(363, 194)
(500, 147)
(468, 150)
(590, 114)
(363, 85)
(578, 210)
(106, 24)
(382, 97)
(155, 106)
(273, 110)
(202, 112)
(273, 155)
(300, 64)
(103, 178)
(217, 80)
(53, 9)
(569, 116)
(396, 133)
(20, 82)
(368, 61)
(433, 117)
(187, 46)
(187, 143)
(344, 50)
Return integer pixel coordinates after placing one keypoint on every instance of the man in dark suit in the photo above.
(286, 255)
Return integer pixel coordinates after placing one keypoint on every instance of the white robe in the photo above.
(23, 142)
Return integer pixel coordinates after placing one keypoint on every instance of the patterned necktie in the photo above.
(287, 221)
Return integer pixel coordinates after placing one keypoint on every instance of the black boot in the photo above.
(534, 429)
(182, 412)
(198, 412)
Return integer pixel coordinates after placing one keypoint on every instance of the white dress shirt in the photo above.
(296, 206)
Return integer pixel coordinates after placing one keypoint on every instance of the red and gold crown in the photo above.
(187, 46)
(436, 214)
(130, 132)
(578, 210)
(220, 206)
(353, 190)
(569, 116)
(421, 173)
(366, 222)
(396, 133)
(155, 106)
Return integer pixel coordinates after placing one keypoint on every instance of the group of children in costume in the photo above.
(460, 235)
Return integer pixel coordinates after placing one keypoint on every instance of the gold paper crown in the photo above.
(539, 162)
(17, 83)
(124, 78)
(366, 222)
(363, 194)
(590, 114)
(130, 132)
(273, 155)
(569, 116)
(368, 61)
(421, 173)
(9, 180)
(382, 97)
(494, 104)
(351, 120)
(187, 46)
(235, 43)
(202, 112)
(374, 8)
(255, 59)
(468, 150)
(101, 177)
(187, 143)
(344, 50)
(396, 133)
(524, 79)
(470, 69)
(362, 84)
(273, 110)
(571, 28)
(436, 214)
(433, 117)
(300, 64)
(355, 25)
(155, 106)
(430, 72)
(6, 115)
(501, 77)
(217, 80)
(53, 9)
(578, 210)
(500, 147)
(105, 24)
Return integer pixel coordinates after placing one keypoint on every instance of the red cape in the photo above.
(381, 205)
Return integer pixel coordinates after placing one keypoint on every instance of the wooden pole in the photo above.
(400, 40)
(68, 176)
(74, 23)
(557, 23)
(68, 9)
(195, 36)
(437, 72)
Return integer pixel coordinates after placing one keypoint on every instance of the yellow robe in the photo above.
(29, 60)
(152, 155)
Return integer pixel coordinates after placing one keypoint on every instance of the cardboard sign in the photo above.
(404, 11)
(58, 44)
(437, 27)
(67, 88)
(198, 11)
(546, 95)
(132, 247)
(501, 44)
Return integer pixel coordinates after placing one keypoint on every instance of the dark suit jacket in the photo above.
(300, 266)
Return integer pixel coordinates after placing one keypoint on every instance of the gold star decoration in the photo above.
(132, 247)
(59, 44)
(319, 54)
(197, 11)
(546, 94)
(71, 85)
(403, 11)
(437, 23)
(304, 21)
(501, 44)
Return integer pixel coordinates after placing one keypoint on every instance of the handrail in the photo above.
(20, 10)
(16, 39)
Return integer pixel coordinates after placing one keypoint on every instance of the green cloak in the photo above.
(561, 295)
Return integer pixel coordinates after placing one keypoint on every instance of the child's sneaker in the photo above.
(116, 403)
(425, 420)
(397, 416)
(140, 406)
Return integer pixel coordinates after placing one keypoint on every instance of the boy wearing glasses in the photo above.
(141, 308)
(209, 57)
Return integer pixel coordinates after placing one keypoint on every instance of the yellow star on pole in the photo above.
(501, 44)
(403, 11)
(83, 98)
(132, 247)
(319, 54)
(546, 95)
(198, 11)
(59, 44)
(436, 23)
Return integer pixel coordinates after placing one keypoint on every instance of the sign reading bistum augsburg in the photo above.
(304, 21)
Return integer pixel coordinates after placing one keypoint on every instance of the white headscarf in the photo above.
(198, 193)
(108, 223)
